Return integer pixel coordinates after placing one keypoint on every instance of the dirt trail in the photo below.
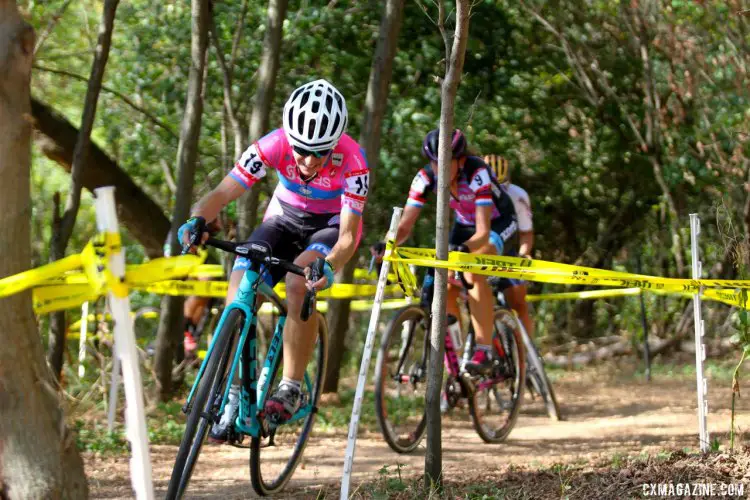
(606, 415)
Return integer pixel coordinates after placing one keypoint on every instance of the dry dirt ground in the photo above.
(610, 415)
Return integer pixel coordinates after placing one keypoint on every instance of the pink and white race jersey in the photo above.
(474, 186)
(342, 182)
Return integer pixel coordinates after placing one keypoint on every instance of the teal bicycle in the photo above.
(275, 450)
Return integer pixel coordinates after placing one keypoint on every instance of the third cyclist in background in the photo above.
(515, 293)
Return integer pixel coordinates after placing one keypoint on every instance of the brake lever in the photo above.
(308, 305)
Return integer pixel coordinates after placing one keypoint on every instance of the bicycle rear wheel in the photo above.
(205, 405)
(496, 401)
(274, 459)
(541, 384)
(401, 379)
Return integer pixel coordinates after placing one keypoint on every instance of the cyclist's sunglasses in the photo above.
(304, 152)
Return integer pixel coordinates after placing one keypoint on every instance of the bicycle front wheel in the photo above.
(401, 379)
(273, 459)
(205, 405)
(496, 401)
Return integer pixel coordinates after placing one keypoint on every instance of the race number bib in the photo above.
(480, 180)
(251, 163)
(357, 183)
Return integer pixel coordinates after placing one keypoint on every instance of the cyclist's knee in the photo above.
(295, 289)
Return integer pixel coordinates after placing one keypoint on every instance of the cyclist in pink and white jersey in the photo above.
(485, 224)
(315, 211)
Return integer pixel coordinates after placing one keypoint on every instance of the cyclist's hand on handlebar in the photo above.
(377, 250)
(324, 281)
(192, 233)
(458, 248)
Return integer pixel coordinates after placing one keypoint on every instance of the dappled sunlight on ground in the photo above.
(608, 414)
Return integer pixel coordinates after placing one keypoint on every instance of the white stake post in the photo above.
(82, 338)
(135, 417)
(114, 389)
(700, 348)
(365, 366)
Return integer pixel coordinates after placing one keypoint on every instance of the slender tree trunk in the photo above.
(169, 334)
(369, 139)
(38, 456)
(455, 63)
(143, 217)
(57, 326)
(267, 71)
(64, 229)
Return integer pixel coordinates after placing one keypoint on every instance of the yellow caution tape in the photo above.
(192, 287)
(66, 288)
(28, 279)
(219, 289)
(155, 270)
(736, 298)
(68, 278)
(164, 268)
(586, 294)
(47, 299)
(550, 272)
(207, 271)
(406, 278)
(217, 271)
(356, 305)
(344, 291)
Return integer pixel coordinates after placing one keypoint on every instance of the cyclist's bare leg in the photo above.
(451, 305)
(481, 302)
(299, 336)
(194, 307)
(516, 297)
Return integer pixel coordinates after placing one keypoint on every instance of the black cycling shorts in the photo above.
(503, 234)
(288, 233)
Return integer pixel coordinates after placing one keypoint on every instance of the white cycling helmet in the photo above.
(315, 116)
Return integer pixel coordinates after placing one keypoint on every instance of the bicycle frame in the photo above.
(451, 356)
(254, 389)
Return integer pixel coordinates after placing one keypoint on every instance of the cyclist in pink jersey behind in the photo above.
(485, 224)
(315, 211)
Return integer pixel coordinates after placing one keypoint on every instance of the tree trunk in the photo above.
(38, 456)
(369, 139)
(62, 231)
(57, 326)
(267, 71)
(143, 217)
(455, 62)
(169, 334)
